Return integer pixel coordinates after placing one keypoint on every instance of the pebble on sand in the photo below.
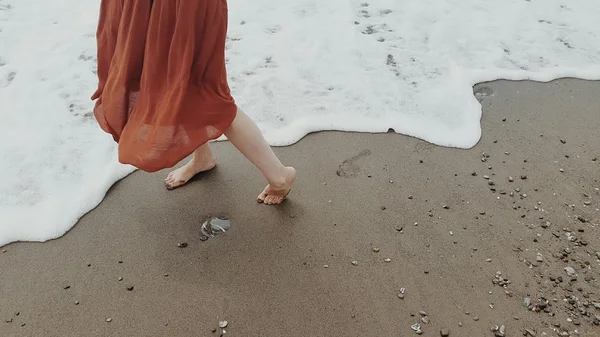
(444, 332)
(387, 260)
(355, 263)
(222, 324)
(130, 288)
(570, 271)
(182, 244)
(375, 250)
(108, 320)
(530, 332)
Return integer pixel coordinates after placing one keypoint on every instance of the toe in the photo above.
(262, 197)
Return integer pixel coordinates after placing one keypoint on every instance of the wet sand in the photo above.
(446, 231)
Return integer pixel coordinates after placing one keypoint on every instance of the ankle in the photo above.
(284, 178)
(201, 162)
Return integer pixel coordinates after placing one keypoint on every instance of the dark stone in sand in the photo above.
(67, 287)
(182, 245)
(130, 288)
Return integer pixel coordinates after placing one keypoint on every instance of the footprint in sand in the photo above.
(349, 168)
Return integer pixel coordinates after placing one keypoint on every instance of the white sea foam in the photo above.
(294, 66)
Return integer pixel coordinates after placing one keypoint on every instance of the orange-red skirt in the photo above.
(163, 87)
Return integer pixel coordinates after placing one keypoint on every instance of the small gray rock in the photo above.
(108, 320)
(530, 332)
(598, 254)
(570, 271)
(422, 313)
(501, 332)
(355, 263)
(444, 332)
(222, 324)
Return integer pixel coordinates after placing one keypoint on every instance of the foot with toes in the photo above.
(277, 192)
(183, 174)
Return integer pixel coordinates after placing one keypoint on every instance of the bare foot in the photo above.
(183, 174)
(276, 193)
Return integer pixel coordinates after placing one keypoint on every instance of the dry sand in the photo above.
(266, 276)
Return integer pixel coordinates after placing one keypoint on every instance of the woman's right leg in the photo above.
(247, 138)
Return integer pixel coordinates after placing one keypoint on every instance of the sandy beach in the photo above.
(469, 235)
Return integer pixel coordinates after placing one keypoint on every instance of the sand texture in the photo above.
(446, 229)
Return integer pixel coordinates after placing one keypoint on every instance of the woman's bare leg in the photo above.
(202, 160)
(247, 138)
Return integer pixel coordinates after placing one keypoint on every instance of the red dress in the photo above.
(163, 87)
